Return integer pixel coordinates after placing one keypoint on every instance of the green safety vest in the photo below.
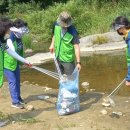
(1, 67)
(64, 49)
(9, 62)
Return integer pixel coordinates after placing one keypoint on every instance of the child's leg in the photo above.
(128, 77)
(10, 75)
(17, 75)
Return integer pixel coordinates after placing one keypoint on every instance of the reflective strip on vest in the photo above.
(64, 49)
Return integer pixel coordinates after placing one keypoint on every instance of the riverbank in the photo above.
(92, 115)
(44, 116)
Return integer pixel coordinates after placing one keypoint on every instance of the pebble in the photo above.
(85, 84)
(46, 88)
(106, 104)
(118, 113)
(13, 122)
(106, 100)
(29, 108)
(92, 90)
(104, 112)
(26, 82)
(43, 97)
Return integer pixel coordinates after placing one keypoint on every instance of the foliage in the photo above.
(27, 41)
(3, 116)
(100, 40)
(89, 17)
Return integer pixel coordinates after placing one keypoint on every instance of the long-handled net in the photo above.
(47, 72)
(108, 99)
(55, 75)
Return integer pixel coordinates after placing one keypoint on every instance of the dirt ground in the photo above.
(45, 116)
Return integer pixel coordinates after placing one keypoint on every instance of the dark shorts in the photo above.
(66, 68)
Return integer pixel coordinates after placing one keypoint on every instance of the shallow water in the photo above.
(103, 72)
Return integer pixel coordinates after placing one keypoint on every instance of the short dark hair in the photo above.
(19, 23)
(5, 24)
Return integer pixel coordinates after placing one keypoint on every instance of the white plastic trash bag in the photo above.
(68, 96)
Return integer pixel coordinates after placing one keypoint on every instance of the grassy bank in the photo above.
(88, 18)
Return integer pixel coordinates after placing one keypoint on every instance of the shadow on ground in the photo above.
(88, 99)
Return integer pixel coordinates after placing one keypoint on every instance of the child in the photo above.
(11, 65)
(122, 25)
(5, 24)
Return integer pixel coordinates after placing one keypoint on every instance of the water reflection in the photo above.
(103, 72)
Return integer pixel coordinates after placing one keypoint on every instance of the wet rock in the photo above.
(104, 112)
(43, 97)
(87, 90)
(13, 122)
(46, 88)
(25, 82)
(3, 123)
(85, 84)
(105, 104)
(29, 108)
(116, 114)
(92, 90)
(110, 101)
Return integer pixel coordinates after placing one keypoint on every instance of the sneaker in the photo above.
(17, 105)
(21, 101)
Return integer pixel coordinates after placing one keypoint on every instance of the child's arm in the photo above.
(51, 48)
(77, 54)
(10, 44)
(11, 51)
(16, 56)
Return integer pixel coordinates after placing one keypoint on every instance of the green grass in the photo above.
(19, 119)
(88, 17)
(100, 40)
(4, 116)
(28, 120)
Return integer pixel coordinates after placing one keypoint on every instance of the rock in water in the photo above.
(106, 104)
(43, 97)
(85, 84)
